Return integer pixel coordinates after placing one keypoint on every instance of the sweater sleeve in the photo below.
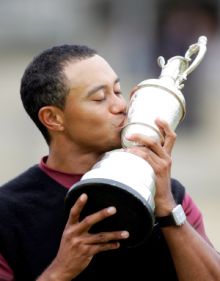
(194, 216)
(6, 273)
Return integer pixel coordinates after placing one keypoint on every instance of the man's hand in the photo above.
(158, 155)
(78, 246)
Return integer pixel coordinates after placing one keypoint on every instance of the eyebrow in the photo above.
(100, 87)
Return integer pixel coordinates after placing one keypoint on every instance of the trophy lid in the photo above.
(173, 69)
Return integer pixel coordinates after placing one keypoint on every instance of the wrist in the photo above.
(53, 273)
(164, 207)
(175, 218)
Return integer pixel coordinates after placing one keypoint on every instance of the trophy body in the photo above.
(124, 180)
(154, 98)
(161, 97)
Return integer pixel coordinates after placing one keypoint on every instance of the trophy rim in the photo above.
(134, 213)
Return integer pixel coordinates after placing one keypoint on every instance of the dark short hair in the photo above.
(44, 83)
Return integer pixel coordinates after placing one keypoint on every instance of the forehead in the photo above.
(89, 71)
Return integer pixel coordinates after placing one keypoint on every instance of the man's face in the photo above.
(94, 112)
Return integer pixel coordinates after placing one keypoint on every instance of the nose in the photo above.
(118, 105)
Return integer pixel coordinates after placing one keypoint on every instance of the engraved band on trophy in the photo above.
(125, 180)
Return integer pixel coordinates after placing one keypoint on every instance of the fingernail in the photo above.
(125, 234)
(83, 197)
(111, 210)
(128, 137)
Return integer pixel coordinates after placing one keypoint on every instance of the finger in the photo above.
(146, 144)
(77, 209)
(168, 133)
(94, 218)
(106, 237)
(154, 153)
(159, 165)
(105, 241)
(153, 159)
(94, 249)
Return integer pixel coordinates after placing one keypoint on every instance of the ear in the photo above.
(51, 117)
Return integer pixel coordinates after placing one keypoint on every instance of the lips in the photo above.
(122, 123)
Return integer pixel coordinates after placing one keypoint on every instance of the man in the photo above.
(73, 96)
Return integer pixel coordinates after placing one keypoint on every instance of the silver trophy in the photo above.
(124, 180)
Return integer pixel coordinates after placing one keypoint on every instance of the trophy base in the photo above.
(134, 213)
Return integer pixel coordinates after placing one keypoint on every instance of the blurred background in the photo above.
(130, 35)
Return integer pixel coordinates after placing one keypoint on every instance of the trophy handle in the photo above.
(198, 48)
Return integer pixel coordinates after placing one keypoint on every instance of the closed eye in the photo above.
(118, 93)
(98, 96)
(99, 99)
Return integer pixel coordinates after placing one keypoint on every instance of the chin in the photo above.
(112, 146)
(116, 145)
(111, 143)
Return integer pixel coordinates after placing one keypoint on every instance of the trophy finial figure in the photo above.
(178, 68)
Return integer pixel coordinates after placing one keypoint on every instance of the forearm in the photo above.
(50, 275)
(55, 272)
(194, 258)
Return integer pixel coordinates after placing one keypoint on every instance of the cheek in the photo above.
(82, 117)
(95, 117)
(86, 120)
(96, 125)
